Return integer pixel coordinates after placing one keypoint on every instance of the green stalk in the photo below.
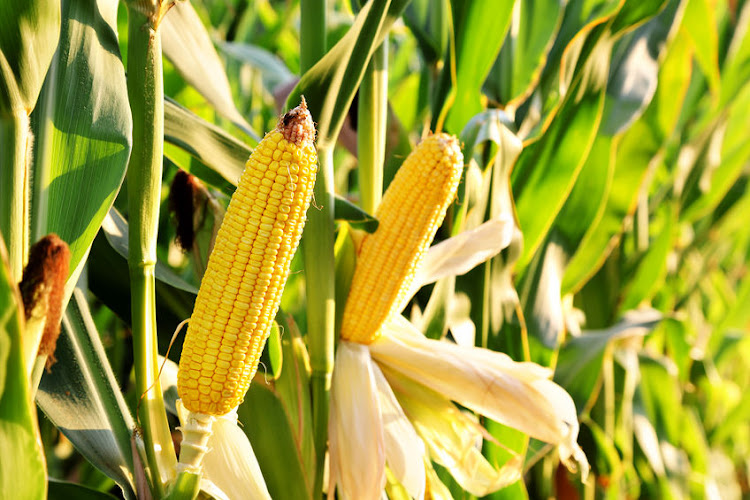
(321, 301)
(371, 128)
(313, 29)
(317, 247)
(15, 142)
(146, 93)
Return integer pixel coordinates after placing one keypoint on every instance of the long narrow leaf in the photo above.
(22, 469)
(187, 44)
(85, 151)
(480, 30)
(82, 398)
(330, 85)
(29, 32)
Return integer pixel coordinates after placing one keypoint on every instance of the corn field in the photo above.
(490, 249)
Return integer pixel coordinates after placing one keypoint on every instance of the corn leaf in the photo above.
(579, 365)
(63, 490)
(329, 86)
(23, 469)
(636, 151)
(29, 32)
(428, 21)
(273, 70)
(632, 85)
(517, 70)
(736, 71)
(212, 147)
(354, 215)
(109, 280)
(81, 396)
(480, 28)
(659, 397)
(267, 425)
(700, 25)
(580, 17)
(187, 44)
(86, 151)
(547, 169)
(718, 177)
(652, 267)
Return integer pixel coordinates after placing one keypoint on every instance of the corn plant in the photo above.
(523, 271)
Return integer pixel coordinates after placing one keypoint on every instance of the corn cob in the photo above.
(241, 289)
(410, 214)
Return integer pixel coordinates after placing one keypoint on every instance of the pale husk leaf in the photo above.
(485, 381)
(230, 469)
(231, 464)
(355, 427)
(453, 437)
(463, 252)
(404, 449)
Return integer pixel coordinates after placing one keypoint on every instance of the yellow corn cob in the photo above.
(241, 289)
(411, 212)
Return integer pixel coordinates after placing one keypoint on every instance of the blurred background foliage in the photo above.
(614, 130)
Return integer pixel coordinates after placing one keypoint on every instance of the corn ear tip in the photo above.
(297, 125)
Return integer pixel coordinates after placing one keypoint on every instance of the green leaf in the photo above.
(115, 229)
(635, 68)
(736, 418)
(428, 22)
(579, 365)
(721, 171)
(632, 84)
(81, 396)
(633, 14)
(29, 33)
(735, 72)
(580, 17)
(64, 490)
(659, 397)
(354, 215)
(547, 169)
(519, 66)
(293, 382)
(480, 28)
(637, 152)
(329, 86)
(187, 44)
(109, 280)
(541, 301)
(85, 151)
(511, 442)
(652, 268)
(700, 25)
(272, 69)
(267, 425)
(205, 142)
(272, 357)
(23, 472)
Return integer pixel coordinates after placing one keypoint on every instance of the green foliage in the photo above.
(24, 475)
(612, 132)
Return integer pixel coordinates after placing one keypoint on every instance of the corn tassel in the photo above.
(241, 290)
(389, 258)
